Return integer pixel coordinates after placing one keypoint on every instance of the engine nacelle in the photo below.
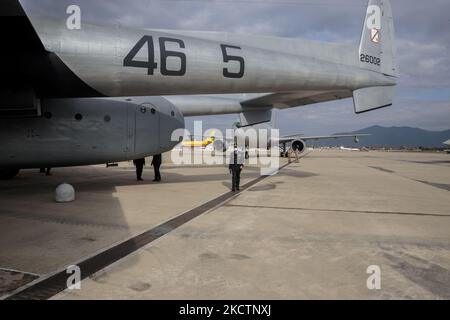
(298, 145)
(74, 132)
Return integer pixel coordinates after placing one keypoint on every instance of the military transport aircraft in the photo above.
(298, 142)
(447, 143)
(80, 94)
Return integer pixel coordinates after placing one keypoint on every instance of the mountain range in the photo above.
(394, 137)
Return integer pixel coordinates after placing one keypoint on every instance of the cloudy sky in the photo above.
(423, 40)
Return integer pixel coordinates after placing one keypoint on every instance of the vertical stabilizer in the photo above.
(377, 50)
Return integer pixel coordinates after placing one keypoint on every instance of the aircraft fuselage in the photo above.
(132, 62)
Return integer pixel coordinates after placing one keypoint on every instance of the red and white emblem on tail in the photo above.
(373, 22)
(375, 35)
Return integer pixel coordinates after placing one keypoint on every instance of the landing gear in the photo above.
(8, 174)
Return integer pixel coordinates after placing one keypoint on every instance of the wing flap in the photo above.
(294, 99)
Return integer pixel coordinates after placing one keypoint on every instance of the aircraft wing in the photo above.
(200, 105)
(305, 138)
(295, 99)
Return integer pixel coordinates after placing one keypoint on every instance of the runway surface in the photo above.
(309, 232)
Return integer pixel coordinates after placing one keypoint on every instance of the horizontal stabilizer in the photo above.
(368, 99)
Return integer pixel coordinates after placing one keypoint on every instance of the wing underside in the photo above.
(294, 99)
(254, 109)
(316, 138)
(31, 71)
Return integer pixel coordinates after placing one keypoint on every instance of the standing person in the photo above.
(156, 163)
(296, 153)
(290, 155)
(236, 166)
(297, 156)
(46, 171)
(139, 164)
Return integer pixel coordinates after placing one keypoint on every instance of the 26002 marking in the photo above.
(370, 59)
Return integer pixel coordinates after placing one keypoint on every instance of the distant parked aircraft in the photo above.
(447, 143)
(349, 149)
(200, 144)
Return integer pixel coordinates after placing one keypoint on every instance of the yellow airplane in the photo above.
(200, 144)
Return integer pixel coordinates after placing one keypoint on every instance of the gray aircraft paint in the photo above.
(282, 73)
(96, 54)
(110, 130)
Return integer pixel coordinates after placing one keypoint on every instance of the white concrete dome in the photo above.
(64, 193)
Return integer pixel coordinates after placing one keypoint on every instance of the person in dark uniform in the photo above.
(46, 171)
(139, 164)
(236, 166)
(156, 163)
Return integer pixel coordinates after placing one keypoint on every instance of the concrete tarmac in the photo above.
(309, 232)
